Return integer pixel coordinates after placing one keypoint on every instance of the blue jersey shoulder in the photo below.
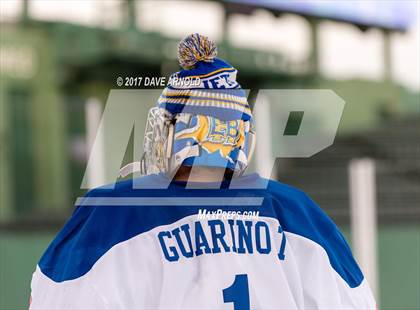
(298, 214)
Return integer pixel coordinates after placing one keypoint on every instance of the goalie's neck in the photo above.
(202, 174)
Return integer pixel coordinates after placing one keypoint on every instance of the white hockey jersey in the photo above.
(187, 248)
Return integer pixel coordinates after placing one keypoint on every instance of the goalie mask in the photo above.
(202, 117)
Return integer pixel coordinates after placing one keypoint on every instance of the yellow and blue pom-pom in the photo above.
(195, 48)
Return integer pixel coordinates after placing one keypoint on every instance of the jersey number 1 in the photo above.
(238, 293)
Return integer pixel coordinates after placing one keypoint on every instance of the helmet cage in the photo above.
(157, 143)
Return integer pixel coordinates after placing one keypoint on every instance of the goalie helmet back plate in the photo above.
(201, 140)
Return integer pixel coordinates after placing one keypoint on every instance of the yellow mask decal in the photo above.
(216, 135)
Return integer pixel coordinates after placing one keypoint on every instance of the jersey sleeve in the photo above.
(49, 287)
(329, 274)
(47, 294)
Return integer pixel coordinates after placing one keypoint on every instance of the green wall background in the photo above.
(399, 264)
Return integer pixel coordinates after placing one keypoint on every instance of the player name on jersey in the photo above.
(216, 236)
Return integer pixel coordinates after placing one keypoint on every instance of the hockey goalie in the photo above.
(195, 231)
